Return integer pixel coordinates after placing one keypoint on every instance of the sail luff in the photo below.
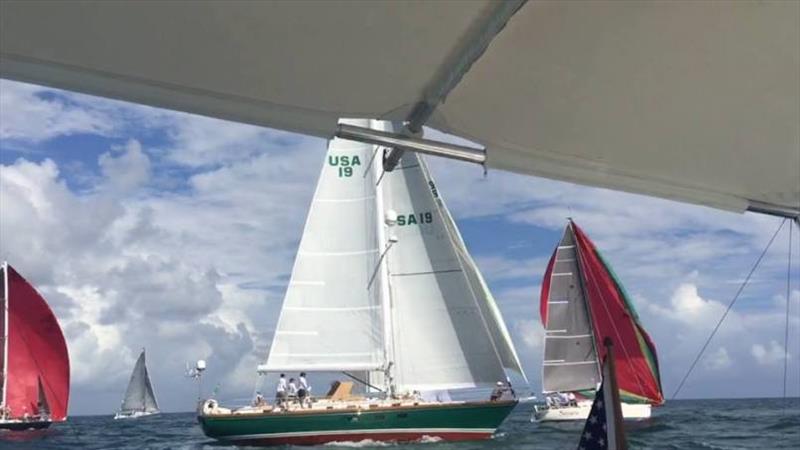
(586, 301)
(5, 337)
(496, 327)
(444, 215)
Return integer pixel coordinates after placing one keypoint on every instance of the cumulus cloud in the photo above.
(30, 114)
(718, 360)
(768, 355)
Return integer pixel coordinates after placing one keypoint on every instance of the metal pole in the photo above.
(403, 142)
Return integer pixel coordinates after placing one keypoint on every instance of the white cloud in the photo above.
(718, 360)
(125, 168)
(30, 116)
(768, 355)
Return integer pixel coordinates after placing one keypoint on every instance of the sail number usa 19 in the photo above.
(344, 164)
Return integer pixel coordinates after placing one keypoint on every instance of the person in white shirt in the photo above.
(292, 389)
(280, 391)
(304, 390)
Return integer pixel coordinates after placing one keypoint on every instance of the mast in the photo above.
(579, 265)
(385, 288)
(5, 337)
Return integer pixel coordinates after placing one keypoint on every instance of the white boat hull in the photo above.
(134, 414)
(630, 411)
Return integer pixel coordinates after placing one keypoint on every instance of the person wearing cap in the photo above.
(498, 391)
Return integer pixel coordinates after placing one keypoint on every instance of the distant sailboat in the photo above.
(384, 286)
(140, 400)
(35, 362)
(582, 303)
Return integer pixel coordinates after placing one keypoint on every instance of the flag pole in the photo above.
(619, 431)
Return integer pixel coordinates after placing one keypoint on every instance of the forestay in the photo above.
(331, 317)
(570, 360)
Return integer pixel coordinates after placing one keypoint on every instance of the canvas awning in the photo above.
(694, 101)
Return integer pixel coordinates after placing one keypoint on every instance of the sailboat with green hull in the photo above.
(382, 286)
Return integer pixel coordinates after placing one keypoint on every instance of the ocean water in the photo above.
(680, 424)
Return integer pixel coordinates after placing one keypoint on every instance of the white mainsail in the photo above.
(139, 397)
(401, 294)
(330, 320)
(570, 358)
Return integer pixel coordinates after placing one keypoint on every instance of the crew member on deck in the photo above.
(498, 391)
(280, 391)
(304, 390)
(292, 390)
(259, 399)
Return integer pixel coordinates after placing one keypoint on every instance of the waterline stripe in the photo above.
(365, 431)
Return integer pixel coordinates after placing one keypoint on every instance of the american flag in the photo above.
(595, 431)
(603, 429)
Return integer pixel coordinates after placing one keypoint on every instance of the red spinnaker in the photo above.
(613, 316)
(36, 350)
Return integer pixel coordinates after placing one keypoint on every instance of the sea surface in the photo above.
(680, 424)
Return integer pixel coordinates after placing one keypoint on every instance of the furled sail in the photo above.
(570, 359)
(610, 314)
(331, 317)
(35, 351)
(443, 334)
(139, 396)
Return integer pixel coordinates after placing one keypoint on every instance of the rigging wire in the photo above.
(730, 306)
(786, 326)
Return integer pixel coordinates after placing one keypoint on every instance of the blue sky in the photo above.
(146, 227)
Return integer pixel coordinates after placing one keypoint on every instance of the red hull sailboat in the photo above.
(34, 358)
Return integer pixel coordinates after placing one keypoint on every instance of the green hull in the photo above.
(454, 421)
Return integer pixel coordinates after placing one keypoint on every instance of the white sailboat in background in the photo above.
(382, 285)
(583, 303)
(140, 400)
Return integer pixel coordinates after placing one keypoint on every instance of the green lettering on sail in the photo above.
(415, 218)
(344, 164)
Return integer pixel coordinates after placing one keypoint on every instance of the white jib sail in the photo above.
(442, 334)
(331, 317)
(139, 396)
